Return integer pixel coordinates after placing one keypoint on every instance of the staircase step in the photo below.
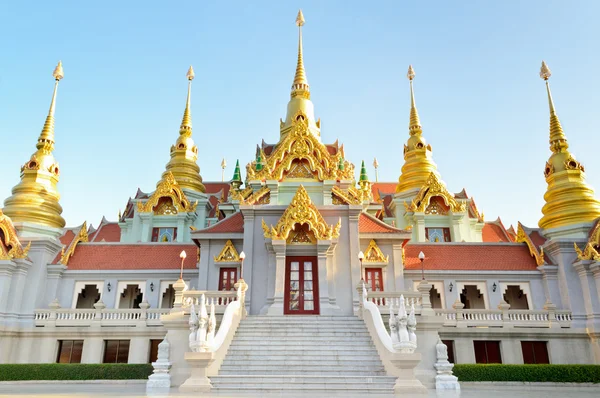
(302, 372)
(303, 362)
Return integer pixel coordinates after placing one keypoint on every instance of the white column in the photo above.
(550, 281)
(398, 266)
(54, 272)
(248, 249)
(271, 276)
(354, 243)
(7, 268)
(204, 271)
(93, 347)
(277, 307)
(455, 220)
(331, 274)
(419, 227)
(146, 221)
(139, 349)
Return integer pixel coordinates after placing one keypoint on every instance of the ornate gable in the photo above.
(590, 252)
(300, 154)
(523, 237)
(301, 210)
(228, 254)
(373, 254)
(10, 246)
(247, 197)
(433, 187)
(167, 188)
(351, 196)
(82, 236)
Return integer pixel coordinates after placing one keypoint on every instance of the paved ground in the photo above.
(138, 390)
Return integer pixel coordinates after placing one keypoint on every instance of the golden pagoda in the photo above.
(185, 153)
(418, 160)
(569, 199)
(35, 198)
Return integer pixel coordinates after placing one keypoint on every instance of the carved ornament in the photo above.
(301, 144)
(302, 236)
(228, 254)
(433, 187)
(533, 251)
(300, 211)
(82, 236)
(373, 254)
(10, 246)
(168, 188)
(262, 196)
(240, 195)
(590, 252)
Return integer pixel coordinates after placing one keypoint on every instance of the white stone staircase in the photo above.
(302, 353)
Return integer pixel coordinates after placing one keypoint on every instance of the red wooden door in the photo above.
(301, 286)
(374, 279)
(227, 279)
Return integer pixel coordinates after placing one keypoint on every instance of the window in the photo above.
(69, 351)
(487, 352)
(131, 297)
(116, 351)
(472, 298)
(154, 350)
(437, 234)
(164, 234)
(535, 352)
(227, 279)
(88, 297)
(515, 296)
(168, 297)
(435, 297)
(450, 345)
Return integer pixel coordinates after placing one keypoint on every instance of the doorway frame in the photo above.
(315, 280)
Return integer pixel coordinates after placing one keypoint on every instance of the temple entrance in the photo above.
(301, 286)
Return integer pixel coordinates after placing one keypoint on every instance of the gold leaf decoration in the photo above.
(228, 254)
(522, 237)
(82, 236)
(168, 188)
(373, 254)
(10, 245)
(590, 252)
(434, 187)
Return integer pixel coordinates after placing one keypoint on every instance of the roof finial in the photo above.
(186, 123)
(558, 140)
(47, 135)
(415, 123)
(300, 86)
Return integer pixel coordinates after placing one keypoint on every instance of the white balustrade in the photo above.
(499, 318)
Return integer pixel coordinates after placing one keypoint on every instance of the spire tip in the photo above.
(190, 73)
(545, 71)
(300, 18)
(411, 73)
(58, 73)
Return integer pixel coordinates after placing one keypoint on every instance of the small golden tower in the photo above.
(569, 199)
(36, 199)
(418, 161)
(185, 153)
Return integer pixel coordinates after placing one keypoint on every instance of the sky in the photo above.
(482, 105)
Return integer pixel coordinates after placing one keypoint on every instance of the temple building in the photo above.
(303, 230)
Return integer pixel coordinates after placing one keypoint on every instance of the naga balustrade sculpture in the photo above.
(402, 327)
(202, 327)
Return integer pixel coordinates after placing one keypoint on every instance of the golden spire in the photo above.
(300, 86)
(569, 199)
(418, 161)
(35, 198)
(184, 153)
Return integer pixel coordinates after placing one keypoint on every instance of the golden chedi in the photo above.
(569, 199)
(185, 152)
(418, 160)
(35, 198)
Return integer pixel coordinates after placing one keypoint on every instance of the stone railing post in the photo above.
(99, 306)
(359, 289)
(144, 305)
(424, 288)
(54, 306)
(551, 308)
(458, 306)
(241, 287)
(178, 286)
(504, 307)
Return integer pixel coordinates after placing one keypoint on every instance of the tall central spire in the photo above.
(418, 161)
(35, 199)
(184, 153)
(300, 104)
(569, 199)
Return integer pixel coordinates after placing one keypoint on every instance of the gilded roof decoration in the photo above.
(301, 144)
(10, 246)
(434, 187)
(373, 254)
(240, 194)
(521, 237)
(228, 254)
(168, 188)
(590, 252)
(82, 236)
(348, 197)
(300, 211)
(302, 236)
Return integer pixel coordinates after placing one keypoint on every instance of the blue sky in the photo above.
(482, 105)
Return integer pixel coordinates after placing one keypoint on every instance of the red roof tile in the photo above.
(382, 187)
(231, 224)
(369, 224)
(66, 240)
(493, 232)
(536, 238)
(216, 187)
(91, 256)
(470, 256)
(107, 232)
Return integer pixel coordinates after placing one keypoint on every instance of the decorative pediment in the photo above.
(82, 236)
(302, 235)
(247, 197)
(351, 196)
(300, 211)
(590, 252)
(10, 246)
(167, 189)
(523, 237)
(228, 254)
(300, 154)
(373, 254)
(434, 187)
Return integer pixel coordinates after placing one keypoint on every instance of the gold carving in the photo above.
(302, 236)
(373, 254)
(301, 144)
(433, 187)
(168, 188)
(240, 195)
(82, 236)
(247, 197)
(533, 251)
(436, 209)
(228, 254)
(590, 252)
(300, 170)
(10, 246)
(346, 197)
(300, 211)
